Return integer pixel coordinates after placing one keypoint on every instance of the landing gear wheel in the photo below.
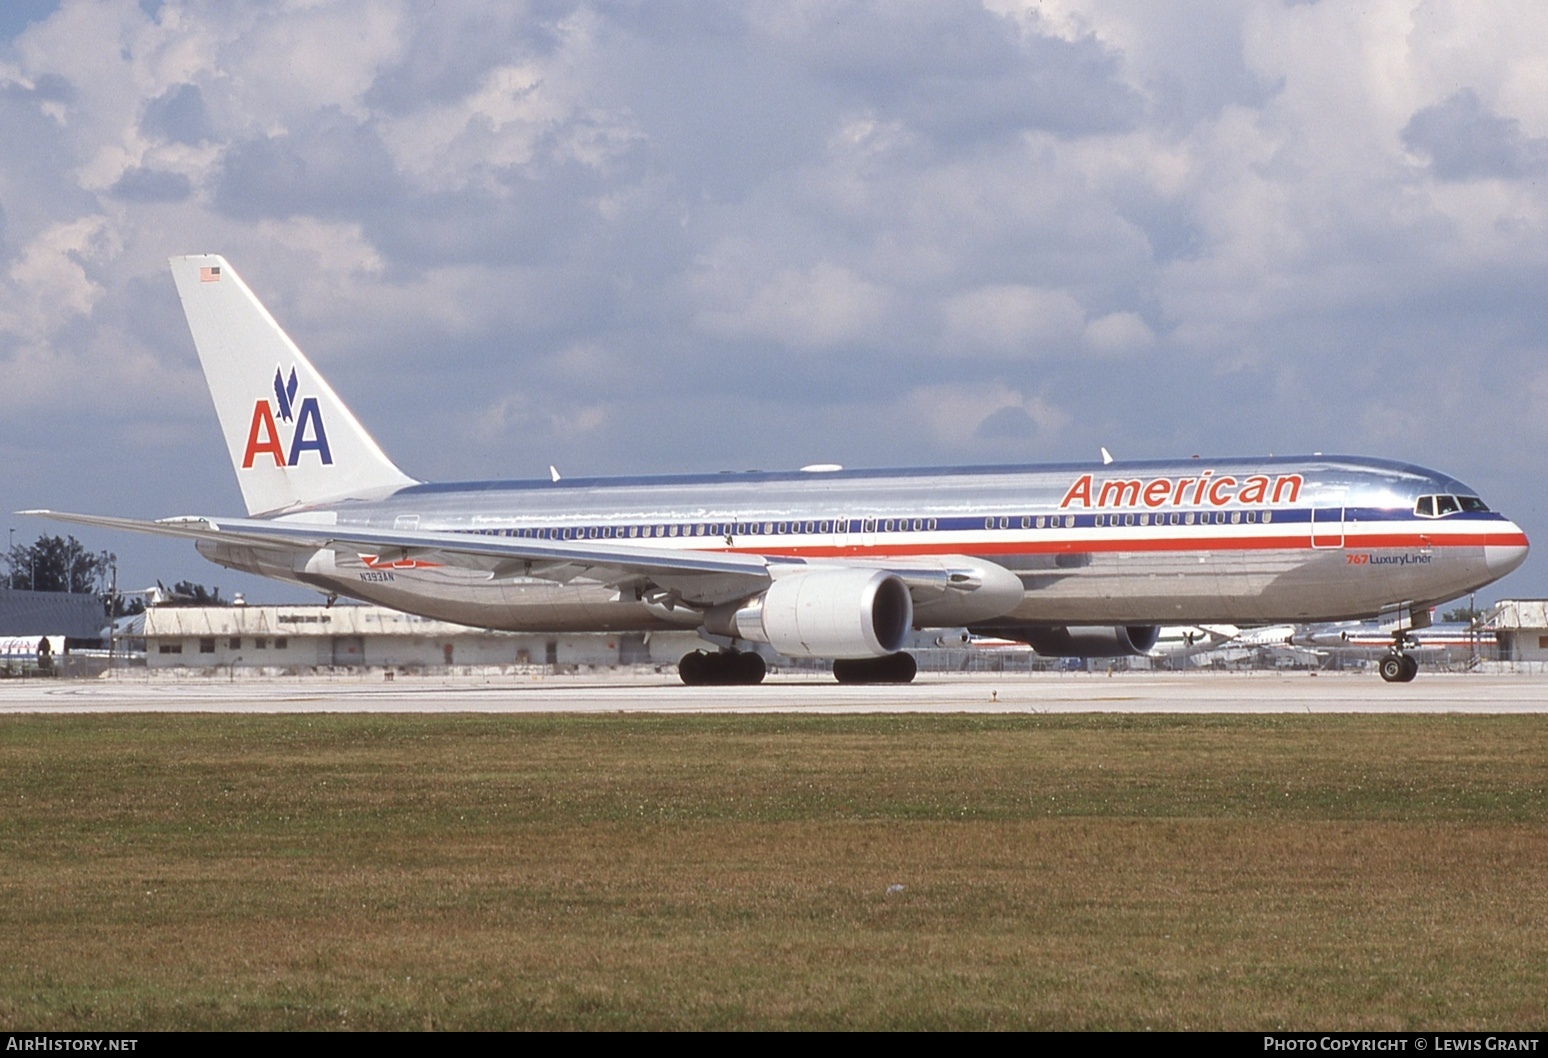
(731, 668)
(693, 668)
(894, 668)
(1398, 668)
(749, 668)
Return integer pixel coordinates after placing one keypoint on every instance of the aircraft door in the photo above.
(1327, 527)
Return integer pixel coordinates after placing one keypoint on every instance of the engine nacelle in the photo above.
(840, 613)
(1090, 641)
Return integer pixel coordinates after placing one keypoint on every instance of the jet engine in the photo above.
(840, 613)
(1090, 641)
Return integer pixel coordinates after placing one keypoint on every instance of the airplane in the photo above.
(1073, 559)
(1184, 645)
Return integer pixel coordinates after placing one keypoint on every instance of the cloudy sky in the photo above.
(628, 237)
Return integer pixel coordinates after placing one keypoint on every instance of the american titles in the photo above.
(1206, 489)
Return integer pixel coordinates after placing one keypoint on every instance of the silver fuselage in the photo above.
(1228, 540)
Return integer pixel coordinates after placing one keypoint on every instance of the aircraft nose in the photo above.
(1502, 558)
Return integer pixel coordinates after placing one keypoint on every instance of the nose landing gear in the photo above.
(1398, 667)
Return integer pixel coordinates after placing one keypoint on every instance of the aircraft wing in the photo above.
(698, 577)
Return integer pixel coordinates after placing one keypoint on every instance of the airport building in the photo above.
(1521, 629)
(53, 613)
(304, 638)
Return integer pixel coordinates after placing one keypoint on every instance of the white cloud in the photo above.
(1012, 320)
(1119, 333)
(821, 307)
(49, 283)
(964, 418)
(883, 229)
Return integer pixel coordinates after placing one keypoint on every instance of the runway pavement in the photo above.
(932, 693)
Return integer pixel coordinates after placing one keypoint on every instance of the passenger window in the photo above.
(1069, 521)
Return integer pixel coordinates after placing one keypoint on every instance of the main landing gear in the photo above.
(894, 668)
(729, 668)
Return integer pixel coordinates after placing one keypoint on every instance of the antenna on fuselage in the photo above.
(553, 472)
(1107, 457)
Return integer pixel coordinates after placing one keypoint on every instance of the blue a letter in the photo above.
(319, 441)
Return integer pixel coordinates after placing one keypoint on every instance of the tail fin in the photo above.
(292, 441)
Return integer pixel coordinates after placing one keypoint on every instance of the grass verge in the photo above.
(347, 871)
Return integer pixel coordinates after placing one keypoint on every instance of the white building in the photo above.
(310, 637)
(1521, 629)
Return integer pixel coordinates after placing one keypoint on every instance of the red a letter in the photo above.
(263, 420)
(1080, 491)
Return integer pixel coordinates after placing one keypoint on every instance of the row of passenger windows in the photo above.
(1187, 518)
(633, 532)
(868, 525)
(1440, 506)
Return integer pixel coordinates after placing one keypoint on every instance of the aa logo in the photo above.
(303, 422)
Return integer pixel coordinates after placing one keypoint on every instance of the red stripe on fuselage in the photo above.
(1298, 542)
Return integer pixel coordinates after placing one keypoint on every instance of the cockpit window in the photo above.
(1440, 506)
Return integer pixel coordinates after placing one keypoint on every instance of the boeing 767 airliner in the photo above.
(1078, 560)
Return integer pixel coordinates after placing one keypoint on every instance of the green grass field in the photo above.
(1334, 872)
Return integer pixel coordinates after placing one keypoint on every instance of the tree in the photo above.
(187, 593)
(127, 606)
(59, 564)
